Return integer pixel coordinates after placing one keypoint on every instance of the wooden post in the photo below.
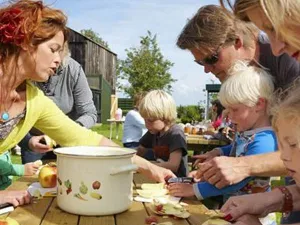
(114, 106)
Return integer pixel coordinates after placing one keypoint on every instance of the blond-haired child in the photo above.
(164, 138)
(245, 94)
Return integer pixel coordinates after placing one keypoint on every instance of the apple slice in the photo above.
(158, 186)
(152, 193)
(174, 209)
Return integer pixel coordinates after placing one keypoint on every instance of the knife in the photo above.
(6, 208)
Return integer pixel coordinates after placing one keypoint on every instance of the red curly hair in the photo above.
(24, 24)
(27, 23)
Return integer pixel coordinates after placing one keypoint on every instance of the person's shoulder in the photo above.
(176, 129)
(72, 65)
(33, 90)
(265, 131)
(266, 138)
(72, 62)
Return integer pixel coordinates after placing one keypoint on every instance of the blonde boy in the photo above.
(164, 139)
(245, 94)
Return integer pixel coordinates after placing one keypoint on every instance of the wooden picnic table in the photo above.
(46, 212)
(199, 144)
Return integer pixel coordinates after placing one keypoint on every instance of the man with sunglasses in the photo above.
(217, 39)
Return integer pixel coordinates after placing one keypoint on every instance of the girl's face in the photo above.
(155, 126)
(45, 60)
(288, 141)
(279, 46)
(243, 116)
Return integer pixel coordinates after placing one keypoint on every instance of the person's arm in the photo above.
(141, 151)
(229, 170)
(8, 169)
(204, 190)
(174, 161)
(260, 204)
(83, 98)
(152, 171)
(145, 142)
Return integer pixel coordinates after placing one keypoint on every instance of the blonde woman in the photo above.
(279, 19)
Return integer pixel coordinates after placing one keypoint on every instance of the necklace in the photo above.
(5, 115)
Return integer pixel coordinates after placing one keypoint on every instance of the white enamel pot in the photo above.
(94, 180)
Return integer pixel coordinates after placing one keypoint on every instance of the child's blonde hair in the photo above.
(245, 85)
(158, 104)
(286, 104)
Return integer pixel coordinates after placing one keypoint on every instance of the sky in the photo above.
(121, 23)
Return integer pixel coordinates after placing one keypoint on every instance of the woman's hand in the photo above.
(35, 145)
(30, 169)
(247, 220)
(15, 197)
(254, 204)
(181, 190)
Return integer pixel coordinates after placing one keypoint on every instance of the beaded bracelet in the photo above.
(287, 207)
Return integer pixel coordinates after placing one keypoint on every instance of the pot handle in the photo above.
(123, 169)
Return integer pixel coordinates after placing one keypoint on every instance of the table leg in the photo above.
(117, 130)
(110, 130)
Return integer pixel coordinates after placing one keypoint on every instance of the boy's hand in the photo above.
(30, 169)
(181, 189)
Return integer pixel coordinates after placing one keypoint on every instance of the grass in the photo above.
(104, 130)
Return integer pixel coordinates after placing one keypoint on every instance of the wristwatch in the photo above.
(287, 206)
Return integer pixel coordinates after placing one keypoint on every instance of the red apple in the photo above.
(48, 176)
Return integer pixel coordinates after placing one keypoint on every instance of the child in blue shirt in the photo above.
(245, 94)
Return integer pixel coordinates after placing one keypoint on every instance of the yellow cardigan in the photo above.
(43, 114)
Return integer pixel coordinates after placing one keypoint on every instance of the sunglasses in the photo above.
(210, 60)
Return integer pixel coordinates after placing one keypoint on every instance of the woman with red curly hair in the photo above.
(32, 37)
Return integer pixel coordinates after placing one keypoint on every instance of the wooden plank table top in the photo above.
(199, 139)
(46, 212)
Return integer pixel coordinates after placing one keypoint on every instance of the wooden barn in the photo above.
(99, 65)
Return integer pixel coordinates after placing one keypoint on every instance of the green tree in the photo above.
(190, 113)
(94, 36)
(145, 68)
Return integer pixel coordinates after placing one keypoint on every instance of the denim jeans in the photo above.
(133, 145)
